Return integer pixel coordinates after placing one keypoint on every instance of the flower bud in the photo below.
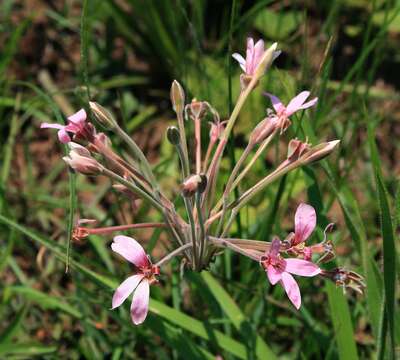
(102, 115)
(82, 161)
(193, 184)
(173, 135)
(177, 97)
(264, 129)
(319, 151)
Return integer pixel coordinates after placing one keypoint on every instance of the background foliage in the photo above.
(124, 54)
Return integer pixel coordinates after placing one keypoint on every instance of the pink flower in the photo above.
(254, 53)
(279, 269)
(296, 104)
(138, 284)
(80, 159)
(76, 125)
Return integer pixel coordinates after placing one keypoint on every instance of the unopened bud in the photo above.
(319, 152)
(177, 97)
(264, 129)
(193, 184)
(102, 115)
(173, 135)
(81, 160)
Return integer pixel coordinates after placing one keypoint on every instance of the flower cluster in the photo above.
(200, 230)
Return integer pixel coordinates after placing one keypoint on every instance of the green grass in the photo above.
(125, 55)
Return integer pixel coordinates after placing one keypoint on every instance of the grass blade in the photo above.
(389, 249)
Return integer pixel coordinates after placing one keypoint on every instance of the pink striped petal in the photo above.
(125, 289)
(296, 103)
(79, 117)
(301, 267)
(239, 58)
(131, 250)
(305, 221)
(276, 103)
(140, 302)
(292, 289)
(273, 274)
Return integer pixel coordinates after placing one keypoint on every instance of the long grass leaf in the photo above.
(389, 249)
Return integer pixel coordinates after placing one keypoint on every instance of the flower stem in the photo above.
(172, 254)
(137, 190)
(109, 229)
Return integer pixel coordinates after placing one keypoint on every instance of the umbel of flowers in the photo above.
(201, 231)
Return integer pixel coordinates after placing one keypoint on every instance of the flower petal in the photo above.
(240, 59)
(131, 250)
(140, 302)
(63, 136)
(79, 117)
(305, 221)
(276, 103)
(125, 289)
(310, 103)
(273, 274)
(296, 103)
(301, 267)
(51, 126)
(292, 289)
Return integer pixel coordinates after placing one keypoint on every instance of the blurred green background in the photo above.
(124, 54)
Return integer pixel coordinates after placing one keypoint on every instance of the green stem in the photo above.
(137, 190)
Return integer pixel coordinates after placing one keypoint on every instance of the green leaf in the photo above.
(26, 349)
(341, 323)
(44, 300)
(389, 249)
(277, 25)
(237, 318)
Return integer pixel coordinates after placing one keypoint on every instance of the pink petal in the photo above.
(79, 117)
(125, 289)
(63, 136)
(51, 126)
(305, 221)
(275, 246)
(258, 52)
(301, 267)
(276, 103)
(309, 103)
(131, 250)
(239, 58)
(296, 103)
(292, 289)
(273, 274)
(140, 302)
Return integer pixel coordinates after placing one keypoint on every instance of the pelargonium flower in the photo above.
(279, 269)
(76, 125)
(296, 104)
(254, 55)
(138, 284)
